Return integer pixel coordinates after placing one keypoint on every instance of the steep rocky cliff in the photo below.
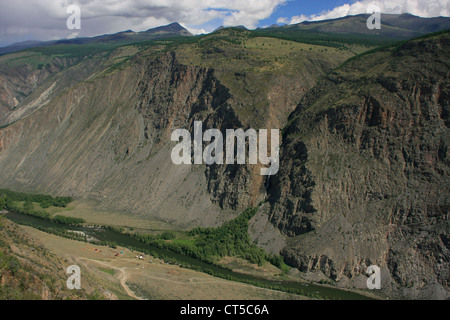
(98, 127)
(364, 175)
(364, 162)
(100, 136)
(28, 82)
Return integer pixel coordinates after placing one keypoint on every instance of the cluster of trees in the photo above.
(2, 202)
(321, 38)
(393, 47)
(68, 220)
(8, 201)
(168, 235)
(231, 239)
(27, 209)
(211, 244)
(45, 201)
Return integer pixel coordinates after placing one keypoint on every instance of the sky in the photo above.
(22, 20)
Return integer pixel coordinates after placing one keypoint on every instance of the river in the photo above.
(124, 240)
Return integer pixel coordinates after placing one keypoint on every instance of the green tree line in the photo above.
(211, 244)
(45, 201)
(8, 201)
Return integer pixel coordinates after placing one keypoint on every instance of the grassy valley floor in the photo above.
(156, 280)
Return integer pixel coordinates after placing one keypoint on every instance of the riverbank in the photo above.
(151, 278)
(289, 286)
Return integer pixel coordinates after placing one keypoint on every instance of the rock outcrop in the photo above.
(364, 176)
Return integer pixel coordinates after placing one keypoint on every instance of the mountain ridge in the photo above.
(98, 126)
(128, 36)
(355, 24)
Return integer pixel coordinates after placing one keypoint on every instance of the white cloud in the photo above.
(249, 12)
(282, 20)
(422, 8)
(197, 31)
(299, 19)
(46, 19)
(73, 35)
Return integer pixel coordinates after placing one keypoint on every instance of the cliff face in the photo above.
(104, 124)
(364, 163)
(18, 81)
(364, 173)
(102, 136)
(26, 87)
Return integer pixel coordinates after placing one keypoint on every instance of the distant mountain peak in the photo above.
(176, 25)
(173, 27)
(219, 28)
(126, 31)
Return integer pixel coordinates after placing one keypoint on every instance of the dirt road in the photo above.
(122, 276)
